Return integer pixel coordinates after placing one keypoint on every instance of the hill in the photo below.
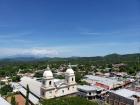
(114, 58)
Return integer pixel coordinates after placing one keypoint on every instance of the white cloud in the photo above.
(88, 49)
(38, 52)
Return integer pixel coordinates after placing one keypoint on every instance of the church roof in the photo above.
(69, 71)
(48, 73)
(33, 84)
(59, 83)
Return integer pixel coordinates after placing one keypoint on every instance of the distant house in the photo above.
(118, 65)
(138, 75)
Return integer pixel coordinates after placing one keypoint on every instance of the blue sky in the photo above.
(66, 28)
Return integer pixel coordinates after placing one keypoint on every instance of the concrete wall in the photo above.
(114, 99)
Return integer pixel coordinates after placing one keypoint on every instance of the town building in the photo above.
(88, 92)
(103, 82)
(123, 97)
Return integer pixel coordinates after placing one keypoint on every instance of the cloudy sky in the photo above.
(64, 28)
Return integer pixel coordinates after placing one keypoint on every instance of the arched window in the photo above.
(62, 91)
(72, 79)
(89, 93)
(50, 83)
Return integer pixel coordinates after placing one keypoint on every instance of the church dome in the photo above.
(70, 71)
(48, 73)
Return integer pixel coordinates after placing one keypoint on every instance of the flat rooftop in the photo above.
(126, 93)
(103, 80)
(88, 88)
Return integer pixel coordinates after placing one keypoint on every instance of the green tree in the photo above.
(13, 101)
(69, 101)
(16, 78)
(5, 89)
(38, 74)
(27, 95)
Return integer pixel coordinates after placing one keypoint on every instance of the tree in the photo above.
(68, 101)
(27, 95)
(5, 89)
(13, 101)
(16, 78)
(38, 74)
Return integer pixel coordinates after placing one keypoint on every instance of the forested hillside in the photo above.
(10, 66)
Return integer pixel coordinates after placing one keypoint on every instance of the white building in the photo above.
(48, 88)
(52, 88)
(106, 83)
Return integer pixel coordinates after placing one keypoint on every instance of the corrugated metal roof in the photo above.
(33, 84)
(32, 98)
(3, 101)
(126, 93)
(106, 81)
(19, 88)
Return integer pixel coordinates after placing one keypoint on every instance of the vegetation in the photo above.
(68, 101)
(38, 74)
(5, 89)
(60, 77)
(15, 78)
(27, 96)
(10, 67)
(13, 101)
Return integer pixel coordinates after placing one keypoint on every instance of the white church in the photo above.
(52, 87)
(49, 87)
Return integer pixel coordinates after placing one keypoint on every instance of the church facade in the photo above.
(52, 88)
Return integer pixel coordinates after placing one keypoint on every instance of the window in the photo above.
(68, 88)
(43, 82)
(43, 93)
(62, 91)
(72, 79)
(89, 93)
(50, 82)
